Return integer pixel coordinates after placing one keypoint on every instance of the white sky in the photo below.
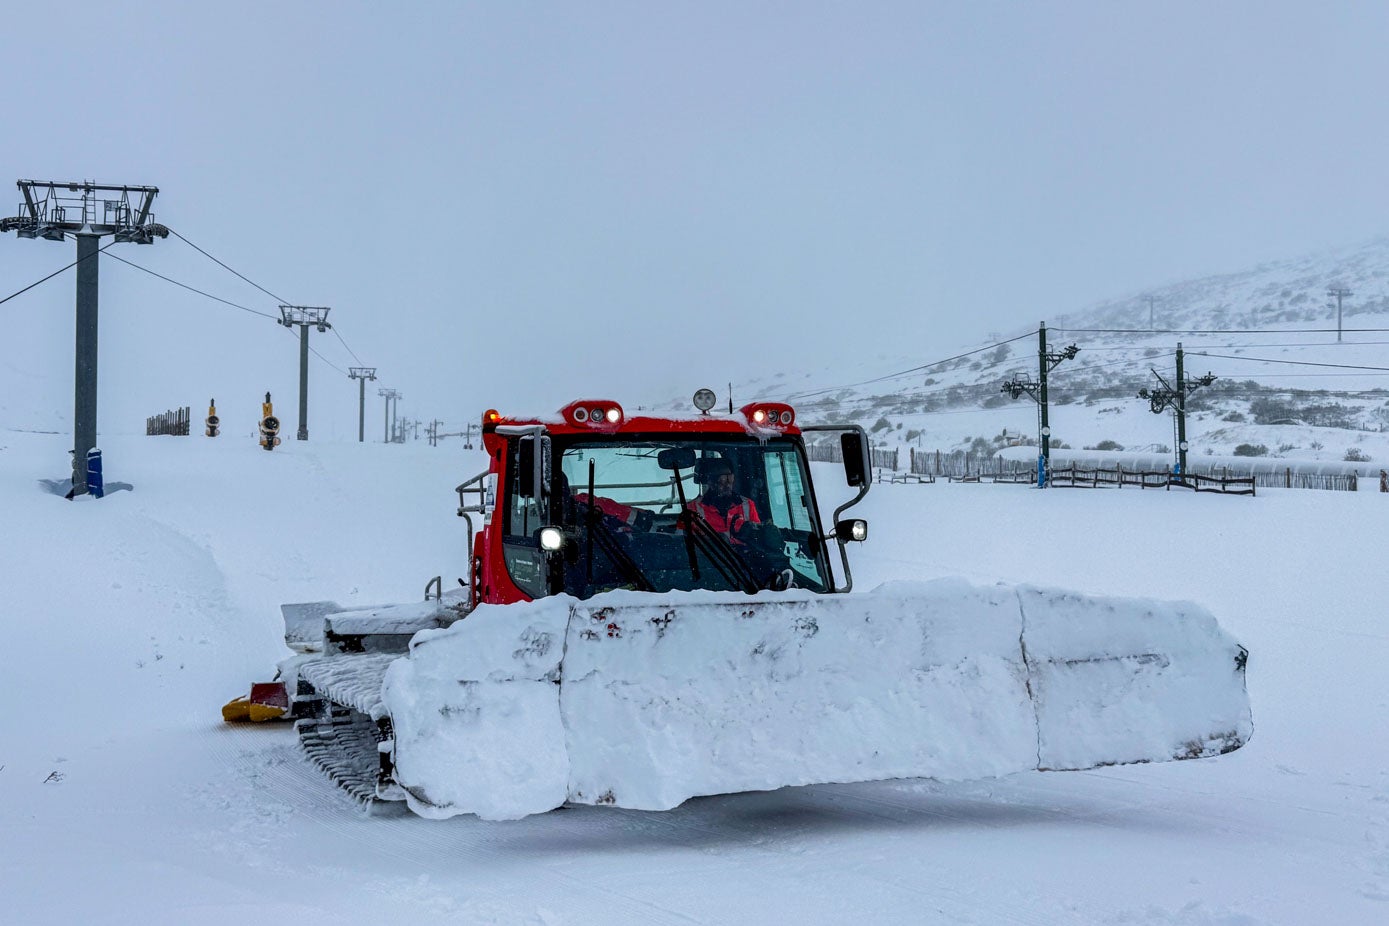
(638, 199)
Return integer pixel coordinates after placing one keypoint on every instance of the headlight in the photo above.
(551, 539)
(853, 529)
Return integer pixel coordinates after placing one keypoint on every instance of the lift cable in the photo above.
(55, 273)
(916, 369)
(195, 290)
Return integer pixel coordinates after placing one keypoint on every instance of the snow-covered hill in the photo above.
(1286, 386)
(129, 620)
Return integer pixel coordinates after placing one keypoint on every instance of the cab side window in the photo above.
(786, 492)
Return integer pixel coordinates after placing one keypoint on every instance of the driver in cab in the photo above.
(721, 506)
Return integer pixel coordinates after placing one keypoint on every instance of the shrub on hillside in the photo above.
(1251, 450)
(1356, 455)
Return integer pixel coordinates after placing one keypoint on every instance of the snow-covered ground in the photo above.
(128, 621)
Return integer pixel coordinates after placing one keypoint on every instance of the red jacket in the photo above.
(729, 521)
(629, 516)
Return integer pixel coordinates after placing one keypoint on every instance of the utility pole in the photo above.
(1161, 399)
(1046, 362)
(433, 432)
(45, 214)
(390, 395)
(1338, 293)
(361, 374)
(305, 316)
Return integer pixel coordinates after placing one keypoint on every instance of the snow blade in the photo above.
(642, 703)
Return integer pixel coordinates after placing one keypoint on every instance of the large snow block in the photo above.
(644, 701)
(475, 714)
(700, 693)
(1122, 680)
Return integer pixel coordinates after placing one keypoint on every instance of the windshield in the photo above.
(669, 514)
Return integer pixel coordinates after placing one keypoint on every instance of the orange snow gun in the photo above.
(269, 425)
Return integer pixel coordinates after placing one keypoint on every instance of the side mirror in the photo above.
(855, 529)
(673, 458)
(855, 458)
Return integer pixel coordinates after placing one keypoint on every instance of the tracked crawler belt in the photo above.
(347, 733)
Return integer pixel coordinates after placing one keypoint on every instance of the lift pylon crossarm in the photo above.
(1054, 358)
(47, 213)
(1201, 381)
(1015, 388)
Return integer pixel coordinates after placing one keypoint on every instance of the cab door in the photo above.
(524, 510)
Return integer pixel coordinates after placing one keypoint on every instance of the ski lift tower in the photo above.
(306, 317)
(89, 212)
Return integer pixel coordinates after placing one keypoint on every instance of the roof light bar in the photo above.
(769, 415)
(601, 414)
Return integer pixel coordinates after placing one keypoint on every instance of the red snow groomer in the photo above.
(652, 612)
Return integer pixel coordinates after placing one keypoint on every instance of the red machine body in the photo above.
(492, 582)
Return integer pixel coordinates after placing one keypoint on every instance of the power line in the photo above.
(926, 366)
(1318, 375)
(1213, 330)
(56, 272)
(1285, 344)
(1300, 363)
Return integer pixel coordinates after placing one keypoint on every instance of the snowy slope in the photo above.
(1277, 312)
(129, 620)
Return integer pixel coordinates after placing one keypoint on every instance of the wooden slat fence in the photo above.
(173, 422)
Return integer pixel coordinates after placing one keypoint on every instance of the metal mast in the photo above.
(1338, 293)
(362, 374)
(389, 395)
(305, 316)
(1047, 361)
(1161, 399)
(47, 213)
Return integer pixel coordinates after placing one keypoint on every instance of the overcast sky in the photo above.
(514, 204)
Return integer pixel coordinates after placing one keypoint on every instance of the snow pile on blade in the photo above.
(645, 703)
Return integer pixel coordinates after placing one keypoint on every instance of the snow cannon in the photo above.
(269, 425)
(212, 421)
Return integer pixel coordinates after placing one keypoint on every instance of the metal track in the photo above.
(346, 746)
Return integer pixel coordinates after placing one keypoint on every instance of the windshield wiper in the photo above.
(720, 551)
(607, 541)
(600, 532)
